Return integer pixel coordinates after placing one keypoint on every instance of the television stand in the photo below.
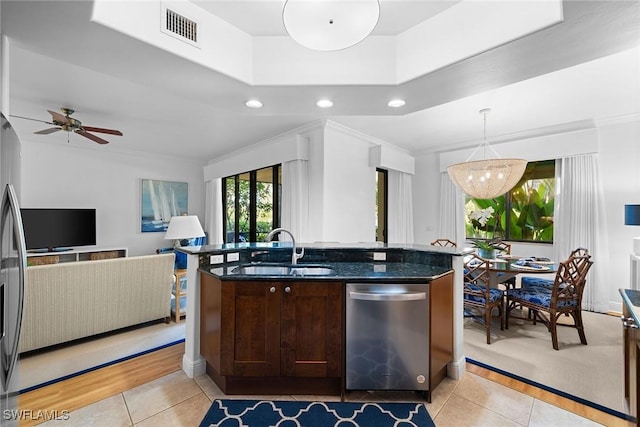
(43, 256)
(48, 250)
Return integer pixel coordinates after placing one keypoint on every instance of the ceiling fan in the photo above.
(70, 124)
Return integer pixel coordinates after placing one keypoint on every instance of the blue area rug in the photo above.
(264, 413)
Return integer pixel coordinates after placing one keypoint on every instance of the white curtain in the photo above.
(295, 199)
(400, 207)
(451, 224)
(579, 221)
(213, 211)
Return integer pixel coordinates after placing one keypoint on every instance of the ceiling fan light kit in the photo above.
(487, 178)
(328, 25)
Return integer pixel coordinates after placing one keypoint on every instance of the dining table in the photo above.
(503, 268)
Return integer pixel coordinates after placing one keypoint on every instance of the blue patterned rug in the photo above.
(264, 413)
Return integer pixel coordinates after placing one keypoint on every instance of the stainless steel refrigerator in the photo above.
(13, 261)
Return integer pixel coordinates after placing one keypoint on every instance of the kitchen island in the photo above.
(282, 331)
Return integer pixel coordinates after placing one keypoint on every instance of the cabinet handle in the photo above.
(287, 289)
(628, 322)
(272, 289)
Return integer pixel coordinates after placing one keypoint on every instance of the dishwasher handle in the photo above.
(368, 296)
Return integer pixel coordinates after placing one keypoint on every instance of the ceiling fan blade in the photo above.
(91, 137)
(47, 131)
(102, 130)
(29, 118)
(59, 117)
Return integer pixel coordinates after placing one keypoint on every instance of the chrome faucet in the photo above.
(295, 256)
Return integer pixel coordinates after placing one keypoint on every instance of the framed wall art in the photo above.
(160, 200)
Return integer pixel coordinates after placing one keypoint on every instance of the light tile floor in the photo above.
(178, 401)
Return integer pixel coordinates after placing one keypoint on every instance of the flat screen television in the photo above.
(58, 229)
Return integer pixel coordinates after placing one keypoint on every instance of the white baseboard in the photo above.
(193, 368)
(456, 369)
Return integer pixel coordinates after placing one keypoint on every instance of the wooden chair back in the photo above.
(476, 276)
(570, 280)
(580, 252)
(444, 243)
(503, 247)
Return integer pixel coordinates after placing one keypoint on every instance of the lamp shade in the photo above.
(328, 25)
(631, 214)
(486, 179)
(184, 227)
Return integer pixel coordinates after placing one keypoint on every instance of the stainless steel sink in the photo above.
(283, 270)
(312, 271)
(263, 270)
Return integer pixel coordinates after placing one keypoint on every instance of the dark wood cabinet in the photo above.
(287, 337)
(272, 337)
(251, 328)
(440, 328)
(311, 329)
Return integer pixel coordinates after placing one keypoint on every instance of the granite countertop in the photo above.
(631, 299)
(344, 271)
(230, 247)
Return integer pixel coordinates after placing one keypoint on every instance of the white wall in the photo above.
(61, 175)
(619, 160)
(349, 204)
(315, 228)
(426, 199)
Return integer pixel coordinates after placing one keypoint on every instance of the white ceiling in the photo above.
(566, 77)
(264, 17)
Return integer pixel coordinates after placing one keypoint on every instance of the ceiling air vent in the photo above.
(180, 27)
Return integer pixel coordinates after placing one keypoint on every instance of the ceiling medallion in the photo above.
(328, 25)
(487, 178)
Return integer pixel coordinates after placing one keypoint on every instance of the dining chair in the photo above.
(564, 297)
(527, 281)
(478, 295)
(444, 242)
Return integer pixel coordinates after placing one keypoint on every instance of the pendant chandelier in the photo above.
(487, 178)
(330, 24)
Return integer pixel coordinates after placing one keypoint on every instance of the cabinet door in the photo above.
(251, 328)
(311, 341)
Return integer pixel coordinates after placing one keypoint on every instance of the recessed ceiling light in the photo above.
(324, 103)
(396, 103)
(253, 103)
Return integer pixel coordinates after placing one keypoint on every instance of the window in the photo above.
(251, 204)
(381, 205)
(524, 214)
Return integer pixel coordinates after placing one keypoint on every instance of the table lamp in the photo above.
(632, 217)
(182, 228)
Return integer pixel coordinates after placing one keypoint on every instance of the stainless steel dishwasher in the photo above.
(387, 338)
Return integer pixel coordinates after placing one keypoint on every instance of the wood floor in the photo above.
(94, 386)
